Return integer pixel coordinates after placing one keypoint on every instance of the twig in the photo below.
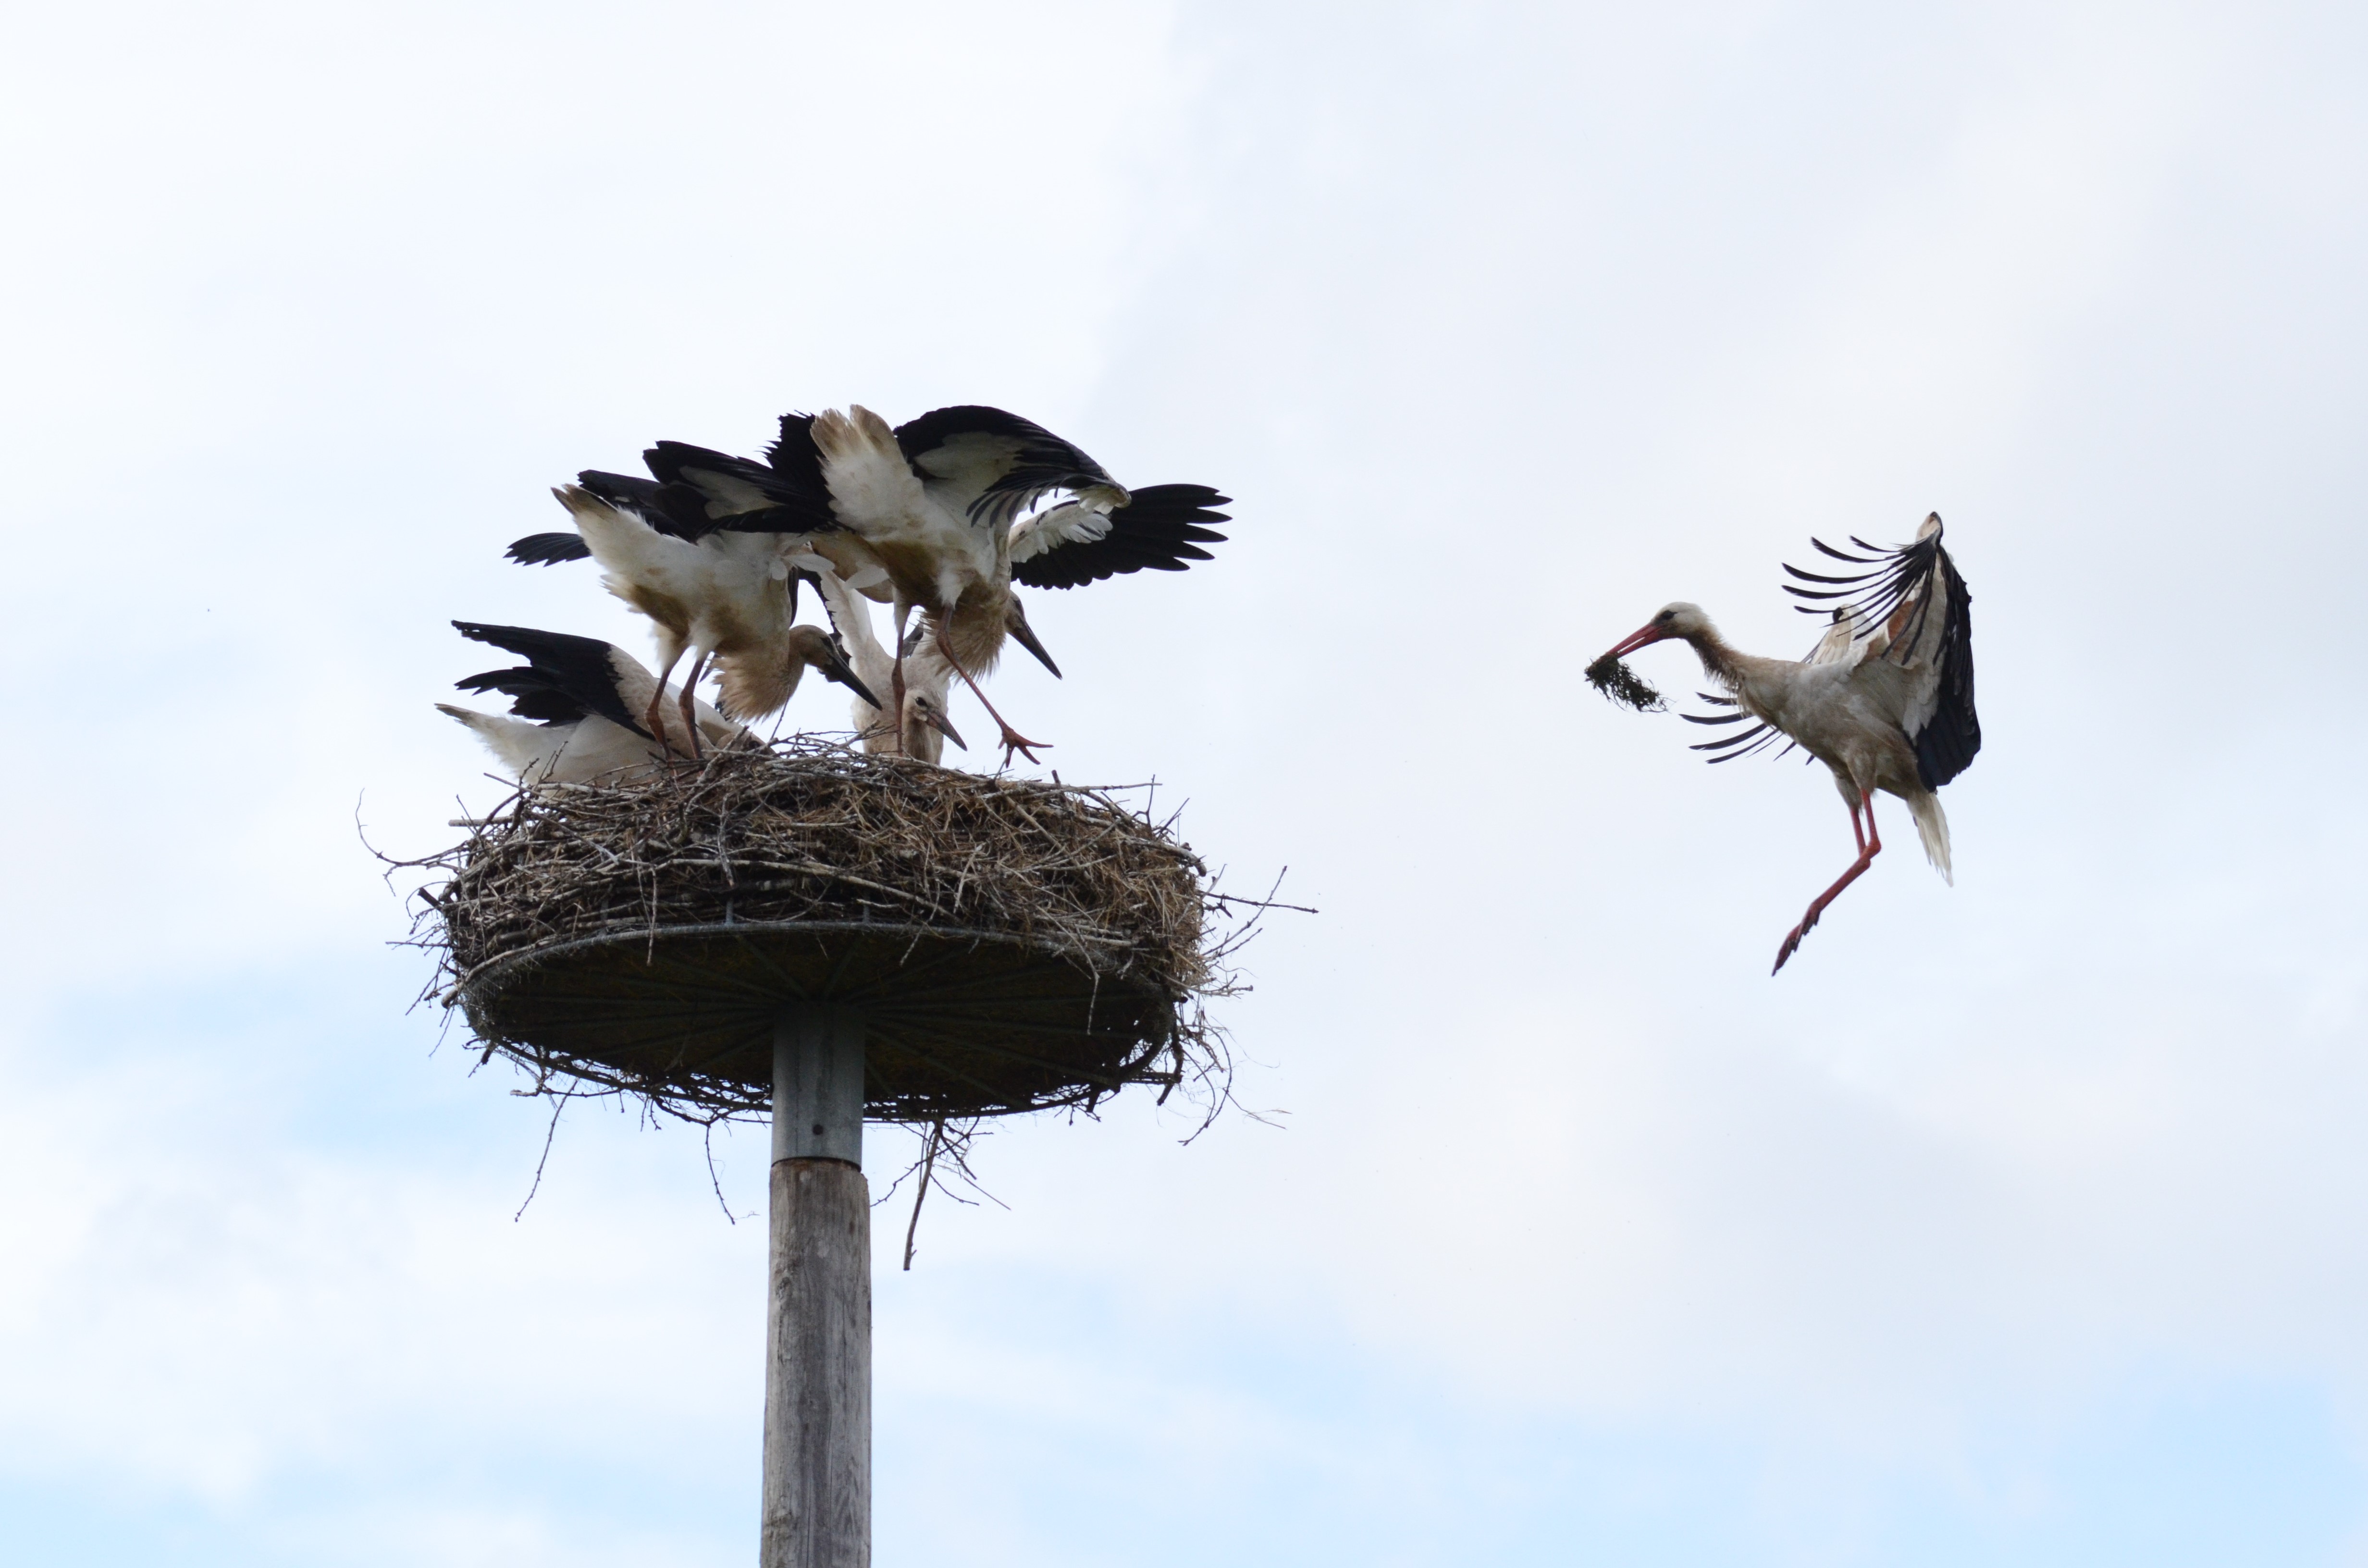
(929, 1171)
(558, 1104)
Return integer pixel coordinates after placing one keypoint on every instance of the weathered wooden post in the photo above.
(827, 937)
(818, 1331)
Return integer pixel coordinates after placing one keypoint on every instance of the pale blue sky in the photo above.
(2016, 1223)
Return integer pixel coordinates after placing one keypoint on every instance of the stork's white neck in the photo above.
(1719, 661)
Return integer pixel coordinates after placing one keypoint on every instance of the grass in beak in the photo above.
(1624, 685)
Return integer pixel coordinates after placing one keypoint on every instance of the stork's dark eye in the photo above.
(1664, 619)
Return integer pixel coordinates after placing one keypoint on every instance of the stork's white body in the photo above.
(725, 596)
(927, 676)
(915, 515)
(924, 516)
(1885, 700)
(593, 749)
(934, 554)
(1847, 706)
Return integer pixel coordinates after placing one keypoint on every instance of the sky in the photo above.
(2017, 1221)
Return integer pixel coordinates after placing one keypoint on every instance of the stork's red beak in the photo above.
(1643, 636)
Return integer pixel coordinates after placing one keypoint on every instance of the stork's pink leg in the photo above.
(657, 701)
(895, 714)
(1013, 741)
(690, 697)
(1870, 845)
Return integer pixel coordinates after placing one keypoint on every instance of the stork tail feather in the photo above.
(1932, 827)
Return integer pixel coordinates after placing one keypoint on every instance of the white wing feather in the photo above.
(873, 488)
(1072, 522)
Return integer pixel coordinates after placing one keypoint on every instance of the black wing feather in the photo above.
(1160, 528)
(786, 502)
(1946, 745)
(675, 509)
(562, 670)
(798, 462)
(1741, 744)
(1739, 738)
(548, 549)
(1041, 461)
(536, 698)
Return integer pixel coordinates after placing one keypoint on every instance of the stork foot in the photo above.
(1013, 741)
(1870, 845)
(1792, 938)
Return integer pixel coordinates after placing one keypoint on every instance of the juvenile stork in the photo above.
(695, 491)
(1885, 700)
(926, 728)
(940, 501)
(577, 710)
(935, 500)
(932, 515)
(728, 594)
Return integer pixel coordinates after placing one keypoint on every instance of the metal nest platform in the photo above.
(1010, 945)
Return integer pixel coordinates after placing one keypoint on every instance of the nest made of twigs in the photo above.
(1014, 945)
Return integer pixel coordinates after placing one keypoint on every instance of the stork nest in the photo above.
(1014, 945)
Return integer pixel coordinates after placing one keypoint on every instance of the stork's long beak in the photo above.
(1026, 636)
(1642, 637)
(834, 667)
(937, 722)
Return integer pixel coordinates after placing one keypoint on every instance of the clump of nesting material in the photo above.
(1624, 685)
(1014, 945)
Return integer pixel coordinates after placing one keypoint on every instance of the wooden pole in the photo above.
(818, 1339)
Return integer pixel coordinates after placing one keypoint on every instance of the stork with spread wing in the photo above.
(1885, 700)
(583, 711)
(937, 514)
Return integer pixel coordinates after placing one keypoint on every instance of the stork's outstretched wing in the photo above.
(1743, 742)
(566, 678)
(796, 463)
(1159, 529)
(548, 549)
(744, 495)
(1911, 610)
(537, 698)
(995, 463)
(698, 492)
(675, 509)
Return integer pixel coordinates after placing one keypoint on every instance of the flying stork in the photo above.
(1885, 700)
(729, 594)
(578, 707)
